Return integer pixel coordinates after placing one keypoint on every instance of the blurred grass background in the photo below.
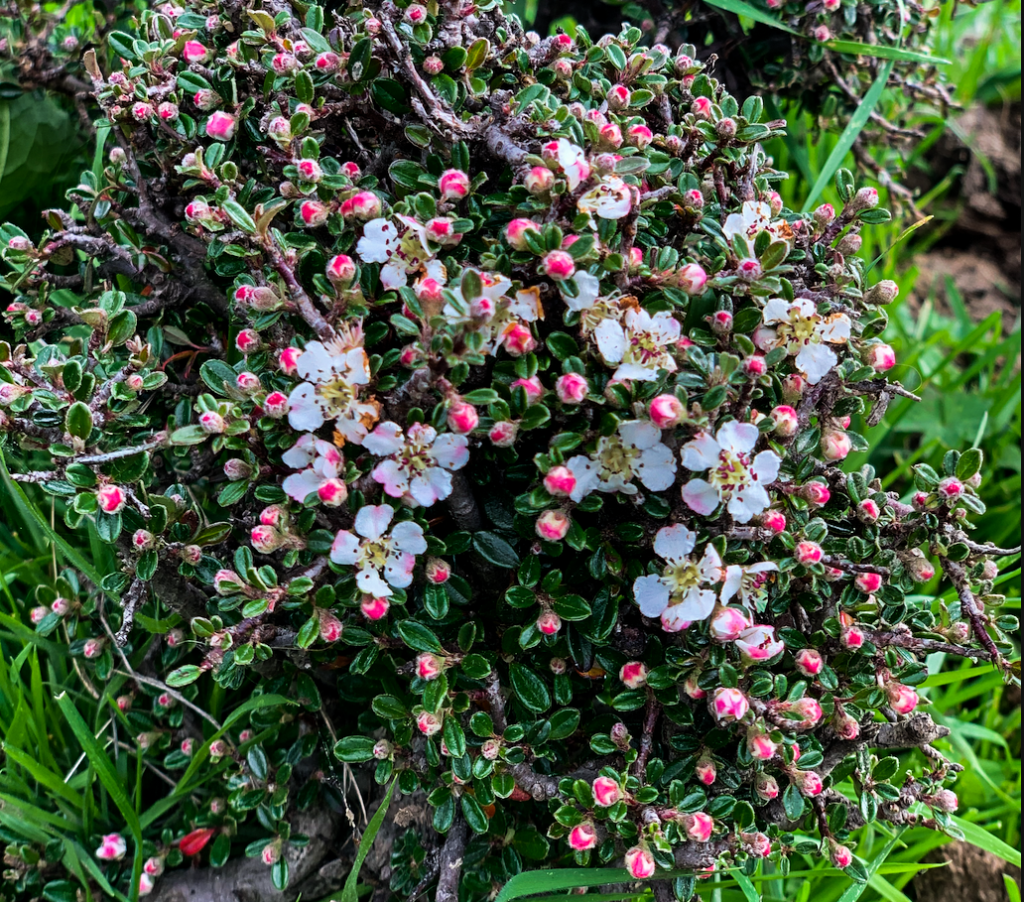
(965, 357)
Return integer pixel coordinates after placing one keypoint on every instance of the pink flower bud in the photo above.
(227, 582)
(807, 781)
(639, 136)
(727, 624)
(766, 787)
(793, 386)
(842, 857)
(809, 662)
(692, 278)
(921, 570)
(808, 553)
(618, 97)
(571, 388)
(327, 62)
(868, 582)
(560, 481)
(852, 637)
(428, 724)
(415, 14)
(785, 420)
(666, 411)
(611, 134)
(815, 493)
(729, 704)
(538, 180)
(633, 674)
(437, 571)
(846, 727)
(749, 269)
(212, 422)
(519, 339)
(640, 863)
(111, 499)
(558, 266)
(809, 710)
(440, 230)
(454, 184)
(582, 837)
(374, 608)
(950, 488)
(462, 418)
(93, 648)
(884, 292)
(868, 511)
(902, 698)
(692, 689)
(266, 539)
(332, 492)
(112, 847)
(276, 405)
(865, 198)
(773, 520)
(221, 126)
(549, 623)
(698, 826)
(835, 445)
(363, 205)
(552, 525)
(755, 365)
(428, 666)
(760, 745)
(606, 792)
(516, 230)
(881, 357)
(705, 770)
(726, 128)
(143, 539)
(943, 800)
(822, 33)
(248, 341)
(154, 866)
(39, 614)
(503, 434)
(701, 108)
(313, 213)
(757, 844)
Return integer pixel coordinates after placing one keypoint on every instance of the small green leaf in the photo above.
(529, 688)
(78, 420)
(495, 549)
(353, 749)
(236, 212)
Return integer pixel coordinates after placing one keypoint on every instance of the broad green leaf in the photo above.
(980, 837)
(886, 52)
(529, 688)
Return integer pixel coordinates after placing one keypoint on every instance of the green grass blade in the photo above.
(980, 837)
(32, 513)
(44, 776)
(750, 892)
(5, 135)
(885, 52)
(853, 128)
(855, 891)
(350, 892)
(100, 762)
(739, 8)
(1012, 890)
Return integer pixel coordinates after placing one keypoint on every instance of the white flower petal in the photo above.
(304, 411)
(640, 434)
(674, 543)
(651, 594)
(766, 466)
(776, 311)
(711, 565)
(451, 451)
(731, 584)
(385, 439)
(345, 548)
(408, 537)
(587, 476)
(373, 520)
(815, 361)
(398, 570)
(737, 437)
(299, 486)
(701, 452)
(700, 496)
(301, 454)
(370, 582)
(656, 468)
(835, 329)
(611, 340)
(697, 604)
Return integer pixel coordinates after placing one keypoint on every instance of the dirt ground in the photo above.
(981, 253)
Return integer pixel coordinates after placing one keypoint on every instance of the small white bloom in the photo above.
(419, 461)
(681, 594)
(756, 217)
(733, 477)
(805, 334)
(634, 451)
(641, 344)
(333, 372)
(574, 163)
(501, 313)
(402, 251)
(319, 462)
(382, 560)
(610, 199)
(748, 583)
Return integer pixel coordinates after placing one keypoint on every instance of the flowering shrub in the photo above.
(479, 393)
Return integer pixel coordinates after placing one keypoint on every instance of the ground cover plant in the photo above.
(405, 406)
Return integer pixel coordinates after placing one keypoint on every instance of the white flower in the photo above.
(382, 560)
(748, 583)
(756, 217)
(733, 477)
(494, 313)
(680, 595)
(419, 461)
(635, 450)
(574, 163)
(641, 345)
(803, 332)
(402, 251)
(610, 199)
(334, 371)
(319, 462)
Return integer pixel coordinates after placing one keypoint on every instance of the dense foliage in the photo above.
(474, 401)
